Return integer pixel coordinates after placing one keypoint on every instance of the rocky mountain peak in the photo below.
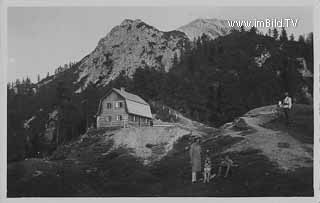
(126, 22)
(134, 43)
(128, 46)
(212, 27)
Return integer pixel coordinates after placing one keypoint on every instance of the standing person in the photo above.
(226, 163)
(28, 146)
(195, 156)
(207, 168)
(286, 106)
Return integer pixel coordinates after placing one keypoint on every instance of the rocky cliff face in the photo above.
(128, 46)
(211, 27)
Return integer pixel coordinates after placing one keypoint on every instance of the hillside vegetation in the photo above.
(271, 162)
(211, 81)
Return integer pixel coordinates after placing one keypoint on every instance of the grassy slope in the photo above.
(120, 174)
(301, 124)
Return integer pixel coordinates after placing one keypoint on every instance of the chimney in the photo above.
(122, 89)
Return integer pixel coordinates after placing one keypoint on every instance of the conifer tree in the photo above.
(275, 33)
(283, 36)
(242, 28)
(292, 37)
(253, 30)
(269, 32)
(301, 39)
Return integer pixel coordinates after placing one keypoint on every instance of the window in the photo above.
(119, 105)
(109, 118)
(119, 117)
(109, 105)
(131, 117)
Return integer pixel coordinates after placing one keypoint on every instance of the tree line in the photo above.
(212, 81)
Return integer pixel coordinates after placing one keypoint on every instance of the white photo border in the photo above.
(5, 4)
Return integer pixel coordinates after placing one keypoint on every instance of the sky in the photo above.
(42, 38)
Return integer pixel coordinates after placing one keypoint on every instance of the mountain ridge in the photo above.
(134, 43)
(212, 27)
(214, 81)
(126, 47)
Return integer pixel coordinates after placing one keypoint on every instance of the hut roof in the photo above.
(134, 104)
(128, 96)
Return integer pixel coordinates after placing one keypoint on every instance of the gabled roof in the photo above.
(128, 96)
(134, 104)
(138, 109)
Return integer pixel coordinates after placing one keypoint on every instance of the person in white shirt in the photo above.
(286, 105)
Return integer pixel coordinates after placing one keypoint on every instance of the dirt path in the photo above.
(84, 169)
(279, 146)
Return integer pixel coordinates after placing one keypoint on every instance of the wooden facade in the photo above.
(114, 110)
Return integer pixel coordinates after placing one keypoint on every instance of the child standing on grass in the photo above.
(207, 168)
